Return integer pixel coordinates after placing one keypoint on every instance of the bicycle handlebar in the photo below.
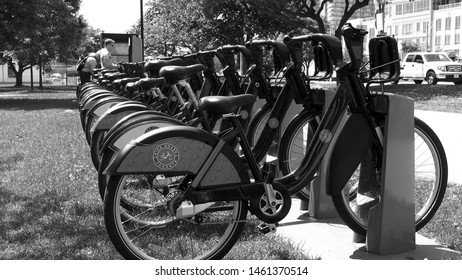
(332, 43)
(282, 54)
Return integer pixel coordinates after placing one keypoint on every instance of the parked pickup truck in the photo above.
(431, 67)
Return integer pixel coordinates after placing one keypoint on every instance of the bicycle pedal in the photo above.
(266, 228)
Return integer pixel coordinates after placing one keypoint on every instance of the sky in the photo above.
(111, 16)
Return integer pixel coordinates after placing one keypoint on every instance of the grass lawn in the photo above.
(439, 97)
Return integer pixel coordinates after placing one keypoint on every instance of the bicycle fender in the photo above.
(116, 113)
(120, 137)
(95, 99)
(178, 150)
(133, 120)
(350, 148)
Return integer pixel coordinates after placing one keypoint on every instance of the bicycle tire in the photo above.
(256, 126)
(141, 234)
(293, 144)
(97, 141)
(425, 208)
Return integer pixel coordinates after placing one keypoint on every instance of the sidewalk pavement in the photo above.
(331, 239)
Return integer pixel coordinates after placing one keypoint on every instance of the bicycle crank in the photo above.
(273, 205)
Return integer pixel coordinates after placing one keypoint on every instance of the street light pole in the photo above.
(142, 29)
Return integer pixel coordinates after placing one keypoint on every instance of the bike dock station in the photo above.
(391, 229)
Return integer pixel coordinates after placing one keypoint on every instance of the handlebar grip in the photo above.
(354, 38)
(351, 33)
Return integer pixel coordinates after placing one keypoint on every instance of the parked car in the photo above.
(431, 67)
(56, 77)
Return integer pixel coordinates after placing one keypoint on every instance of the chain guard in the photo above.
(261, 208)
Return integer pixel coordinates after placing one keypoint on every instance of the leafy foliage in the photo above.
(408, 47)
(36, 31)
(307, 13)
(196, 25)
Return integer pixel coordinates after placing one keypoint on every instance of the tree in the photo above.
(204, 24)
(307, 13)
(172, 25)
(236, 21)
(407, 47)
(37, 31)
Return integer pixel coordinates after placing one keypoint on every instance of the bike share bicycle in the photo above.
(205, 191)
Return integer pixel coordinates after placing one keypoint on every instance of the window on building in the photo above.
(422, 5)
(457, 39)
(426, 5)
(407, 29)
(407, 9)
(437, 40)
(399, 9)
(438, 25)
(447, 39)
(424, 27)
(396, 30)
(388, 9)
(448, 23)
(417, 27)
(457, 22)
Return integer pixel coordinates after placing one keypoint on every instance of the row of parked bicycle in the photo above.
(184, 164)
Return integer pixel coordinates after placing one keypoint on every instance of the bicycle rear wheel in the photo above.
(431, 173)
(140, 220)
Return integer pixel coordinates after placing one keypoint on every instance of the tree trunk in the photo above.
(40, 73)
(18, 76)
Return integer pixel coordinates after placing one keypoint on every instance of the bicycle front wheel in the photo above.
(139, 213)
(293, 145)
(431, 173)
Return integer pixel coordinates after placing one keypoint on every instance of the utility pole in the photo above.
(142, 29)
(380, 16)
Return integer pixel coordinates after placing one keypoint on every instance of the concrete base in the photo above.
(331, 239)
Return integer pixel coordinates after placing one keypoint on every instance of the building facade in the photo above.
(433, 25)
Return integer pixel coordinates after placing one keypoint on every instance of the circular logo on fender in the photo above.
(325, 136)
(166, 156)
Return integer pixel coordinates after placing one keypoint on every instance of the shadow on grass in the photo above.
(37, 104)
(27, 89)
(51, 225)
(9, 162)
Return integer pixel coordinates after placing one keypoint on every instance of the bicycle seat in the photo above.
(149, 83)
(224, 104)
(175, 73)
(153, 67)
(125, 81)
(131, 87)
(107, 71)
(116, 76)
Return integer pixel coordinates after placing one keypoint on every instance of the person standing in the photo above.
(87, 71)
(105, 55)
